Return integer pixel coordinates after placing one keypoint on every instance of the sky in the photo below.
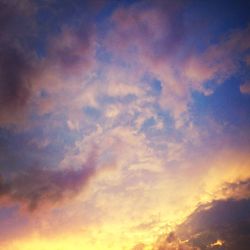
(124, 125)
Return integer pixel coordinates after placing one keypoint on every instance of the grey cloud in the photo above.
(224, 220)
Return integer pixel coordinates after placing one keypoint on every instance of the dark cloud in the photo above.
(15, 70)
(38, 187)
(35, 37)
(227, 221)
(30, 50)
(16, 59)
(220, 224)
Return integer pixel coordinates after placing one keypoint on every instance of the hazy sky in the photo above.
(124, 125)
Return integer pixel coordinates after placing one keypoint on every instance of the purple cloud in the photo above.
(41, 186)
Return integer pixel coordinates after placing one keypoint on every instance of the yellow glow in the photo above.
(71, 242)
(130, 214)
(217, 243)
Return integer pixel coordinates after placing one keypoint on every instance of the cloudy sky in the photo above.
(124, 125)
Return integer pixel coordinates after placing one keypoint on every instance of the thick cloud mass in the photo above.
(225, 220)
(38, 187)
(14, 81)
(220, 224)
(16, 58)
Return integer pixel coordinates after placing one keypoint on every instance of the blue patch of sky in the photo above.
(165, 116)
(23, 148)
(227, 105)
(107, 11)
(111, 6)
(209, 20)
(106, 100)
(155, 85)
(149, 123)
(103, 55)
(20, 150)
(168, 131)
(92, 112)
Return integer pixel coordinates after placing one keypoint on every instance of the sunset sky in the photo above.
(124, 125)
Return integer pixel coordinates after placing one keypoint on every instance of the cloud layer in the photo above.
(118, 119)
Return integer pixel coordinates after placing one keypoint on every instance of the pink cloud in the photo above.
(245, 88)
(146, 39)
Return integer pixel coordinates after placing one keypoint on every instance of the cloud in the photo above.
(143, 39)
(247, 59)
(220, 60)
(17, 62)
(236, 190)
(155, 40)
(143, 26)
(245, 88)
(72, 49)
(77, 85)
(219, 224)
(38, 187)
(37, 64)
(225, 222)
